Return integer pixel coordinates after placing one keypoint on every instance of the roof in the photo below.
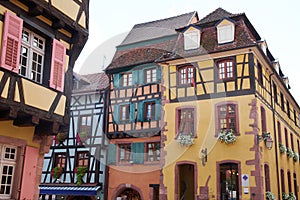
(70, 190)
(157, 29)
(91, 82)
(216, 15)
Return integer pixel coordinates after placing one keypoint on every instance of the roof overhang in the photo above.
(70, 190)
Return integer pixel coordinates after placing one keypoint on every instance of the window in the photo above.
(227, 117)
(282, 101)
(292, 141)
(275, 93)
(82, 158)
(185, 121)
(60, 160)
(23, 53)
(85, 124)
(150, 75)
(124, 113)
(149, 109)
(225, 69)
(225, 33)
(263, 119)
(288, 109)
(126, 79)
(191, 39)
(124, 153)
(295, 185)
(289, 181)
(186, 75)
(298, 144)
(7, 167)
(259, 74)
(295, 118)
(32, 56)
(267, 178)
(286, 137)
(282, 180)
(153, 151)
(279, 131)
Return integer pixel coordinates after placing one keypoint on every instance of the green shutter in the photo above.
(116, 114)
(158, 109)
(111, 155)
(141, 77)
(138, 153)
(158, 74)
(117, 80)
(135, 77)
(140, 112)
(132, 112)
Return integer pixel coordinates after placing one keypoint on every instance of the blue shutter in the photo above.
(158, 73)
(141, 77)
(158, 108)
(140, 112)
(138, 153)
(135, 77)
(132, 112)
(116, 114)
(117, 80)
(111, 156)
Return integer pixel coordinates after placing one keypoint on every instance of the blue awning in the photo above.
(69, 190)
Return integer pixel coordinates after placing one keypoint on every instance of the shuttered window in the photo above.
(11, 42)
(57, 66)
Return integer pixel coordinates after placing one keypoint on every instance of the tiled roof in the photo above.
(216, 15)
(97, 81)
(157, 29)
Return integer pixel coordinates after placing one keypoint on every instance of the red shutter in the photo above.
(11, 42)
(58, 66)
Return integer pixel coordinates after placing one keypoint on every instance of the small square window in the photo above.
(126, 79)
(150, 75)
(191, 40)
(225, 33)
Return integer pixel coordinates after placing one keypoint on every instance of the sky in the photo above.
(276, 21)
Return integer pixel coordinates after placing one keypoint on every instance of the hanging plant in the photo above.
(296, 157)
(56, 172)
(80, 172)
(185, 139)
(81, 137)
(270, 196)
(60, 137)
(227, 136)
(290, 153)
(282, 148)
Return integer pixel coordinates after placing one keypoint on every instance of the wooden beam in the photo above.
(35, 10)
(57, 24)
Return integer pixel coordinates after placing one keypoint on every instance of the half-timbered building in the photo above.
(231, 126)
(134, 108)
(83, 150)
(40, 41)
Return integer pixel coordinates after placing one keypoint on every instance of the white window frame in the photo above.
(191, 39)
(10, 163)
(225, 33)
(29, 44)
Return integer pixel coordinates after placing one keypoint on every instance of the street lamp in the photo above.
(266, 137)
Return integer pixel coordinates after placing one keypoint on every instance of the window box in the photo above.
(185, 139)
(290, 153)
(290, 196)
(270, 196)
(227, 136)
(296, 157)
(56, 172)
(282, 148)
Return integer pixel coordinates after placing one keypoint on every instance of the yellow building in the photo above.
(231, 125)
(40, 41)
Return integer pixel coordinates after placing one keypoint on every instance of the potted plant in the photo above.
(282, 148)
(270, 196)
(296, 157)
(81, 137)
(60, 137)
(227, 136)
(185, 139)
(289, 152)
(290, 196)
(56, 172)
(80, 172)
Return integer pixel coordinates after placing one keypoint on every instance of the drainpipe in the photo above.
(275, 134)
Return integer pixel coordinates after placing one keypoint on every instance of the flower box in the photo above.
(270, 196)
(282, 148)
(56, 172)
(185, 139)
(227, 136)
(290, 153)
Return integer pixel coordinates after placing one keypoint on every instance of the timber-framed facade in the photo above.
(40, 42)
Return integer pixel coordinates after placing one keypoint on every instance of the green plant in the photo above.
(290, 196)
(227, 136)
(282, 148)
(289, 152)
(80, 172)
(60, 137)
(185, 139)
(296, 157)
(56, 172)
(270, 196)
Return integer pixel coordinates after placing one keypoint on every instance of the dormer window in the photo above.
(225, 30)
(191, 38)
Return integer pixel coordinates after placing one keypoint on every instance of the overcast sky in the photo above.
(276, 21)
